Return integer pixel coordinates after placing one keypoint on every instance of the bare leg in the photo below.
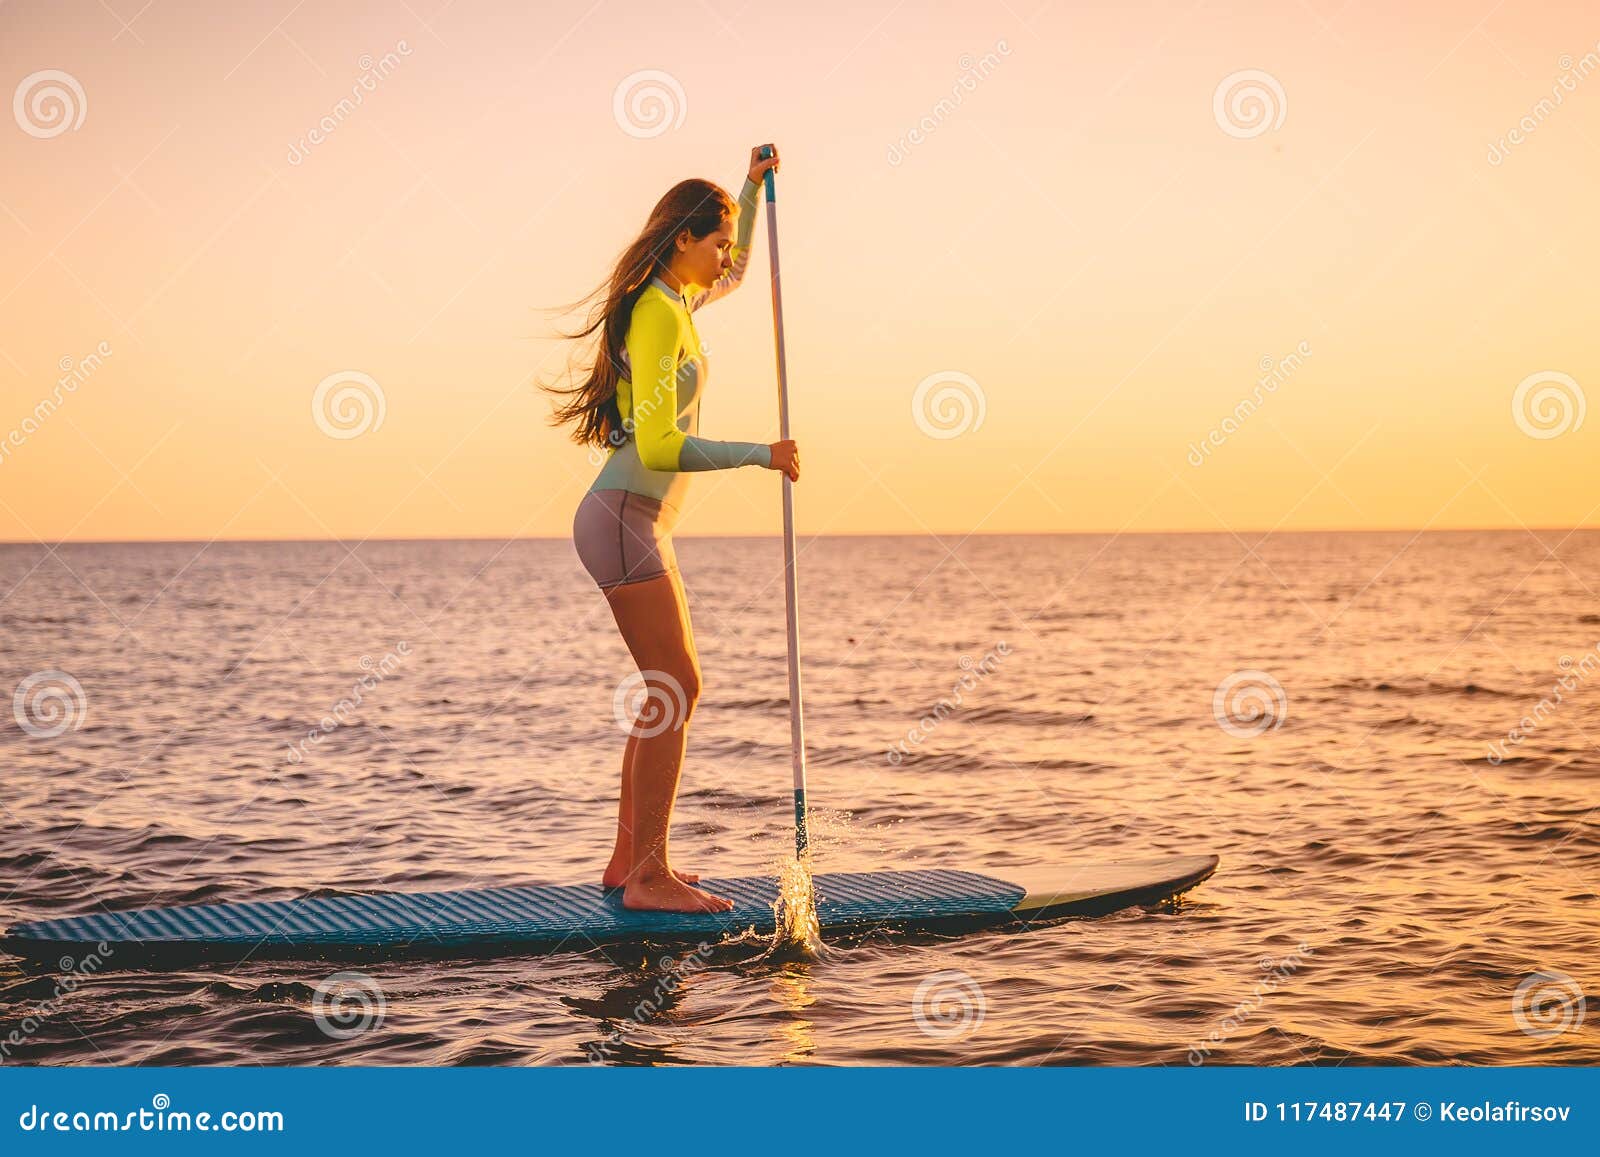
(653, 617)
(616, 873)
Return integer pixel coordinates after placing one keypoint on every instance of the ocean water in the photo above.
(1394, 887)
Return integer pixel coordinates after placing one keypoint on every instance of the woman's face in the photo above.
(702, 262)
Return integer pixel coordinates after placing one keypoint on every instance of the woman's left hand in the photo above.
(759, 164)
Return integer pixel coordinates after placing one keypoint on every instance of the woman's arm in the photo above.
(749, 201)
(655, 335)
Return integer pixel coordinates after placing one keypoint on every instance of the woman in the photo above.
(641, 399)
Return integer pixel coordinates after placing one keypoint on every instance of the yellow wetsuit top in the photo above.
(664, 375)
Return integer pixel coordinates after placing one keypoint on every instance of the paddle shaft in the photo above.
(791, 593)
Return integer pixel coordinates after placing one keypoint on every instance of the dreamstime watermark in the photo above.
(49, 103)
(1543, 109)
(49, 703)
(1548, 404)
(73, 375)
(673, 974)
(648, 103)
(72, 974)
(1248, 703)
(1277, 971)
(155, 1119)
(348, 404)
(648, 703)
(974, 671)
(1275, 373)
(347, 1004)
(1547, 1004)
(1574, 673)
(344, 710)
(973, 72)
(644, 407)
(949, 1005)
(1248, 103)
(947, 404)
(373, 73)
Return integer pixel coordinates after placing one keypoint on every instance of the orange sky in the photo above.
(1090, 249)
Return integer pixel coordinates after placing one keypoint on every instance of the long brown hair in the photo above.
(697, 205)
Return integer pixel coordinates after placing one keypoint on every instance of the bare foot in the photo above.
(670, 894)
(616, 874)
(616, 879)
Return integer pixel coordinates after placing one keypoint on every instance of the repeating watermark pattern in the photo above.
(1547, 1004)
(49, 703)
(348, 404)
(1544, 108)
(673, 974)
(373, 74)
(1574, 673)
(644, 407)
(948, 404)
(1548, 404)
(73, 375)
(648, 703)
(1277, 971)
(344, 710)
(49, 103)
(974, 71)
(974, 672)
(648, 103)
(1249, 703)
(949, 1005)
(347, 1004)
(1248, 103)
(1274, 374)
(72, 975)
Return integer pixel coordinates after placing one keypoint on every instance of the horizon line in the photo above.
(1232, 531)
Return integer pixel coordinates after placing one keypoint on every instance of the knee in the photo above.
(689, 680)
(674, 690)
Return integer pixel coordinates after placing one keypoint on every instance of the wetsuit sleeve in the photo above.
(654, 337)
(749, 200)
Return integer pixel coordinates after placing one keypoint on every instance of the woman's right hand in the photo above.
(786, 457)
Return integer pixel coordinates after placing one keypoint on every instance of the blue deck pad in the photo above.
(548, 915)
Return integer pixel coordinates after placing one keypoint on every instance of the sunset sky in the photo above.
(1091, 256)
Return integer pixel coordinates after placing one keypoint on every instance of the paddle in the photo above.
(797, 729)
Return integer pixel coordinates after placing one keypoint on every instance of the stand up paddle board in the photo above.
(580, 916)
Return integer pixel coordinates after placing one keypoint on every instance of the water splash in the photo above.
(796, 932)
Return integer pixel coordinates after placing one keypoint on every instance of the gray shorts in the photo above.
(623, 537)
